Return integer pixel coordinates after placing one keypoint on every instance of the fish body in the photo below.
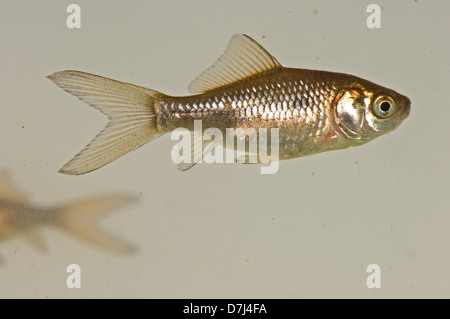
(300, 103)
(246, 88)
(19, 217)
(16, 218)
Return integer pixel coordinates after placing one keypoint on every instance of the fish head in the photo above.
(363, 113)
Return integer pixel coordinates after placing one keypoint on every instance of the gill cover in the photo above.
(350, 113)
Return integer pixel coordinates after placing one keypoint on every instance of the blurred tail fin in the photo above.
(81, 219)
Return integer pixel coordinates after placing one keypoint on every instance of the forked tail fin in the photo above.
(130, 109)
(81, 220)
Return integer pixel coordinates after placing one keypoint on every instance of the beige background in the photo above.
(225, 230)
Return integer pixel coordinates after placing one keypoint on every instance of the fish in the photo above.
(246, 88)
(19, 217)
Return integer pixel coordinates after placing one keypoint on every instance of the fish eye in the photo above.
(383, 107)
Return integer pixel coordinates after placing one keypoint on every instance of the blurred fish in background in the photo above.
(79, 218)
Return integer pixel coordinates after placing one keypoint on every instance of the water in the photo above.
(224, 230)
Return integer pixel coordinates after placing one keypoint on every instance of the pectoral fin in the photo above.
(199, 148)
(252, 159)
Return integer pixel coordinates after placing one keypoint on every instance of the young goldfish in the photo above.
(247, 88)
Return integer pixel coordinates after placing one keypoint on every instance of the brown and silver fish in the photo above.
(315, 111)
(19, 217)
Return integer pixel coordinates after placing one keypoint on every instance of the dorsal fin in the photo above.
(9, 191)
(243, 57)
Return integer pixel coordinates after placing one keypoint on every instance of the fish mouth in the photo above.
(403, 107)
(406, 107)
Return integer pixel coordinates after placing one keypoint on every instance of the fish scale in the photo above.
(267, 103)
(299, 109)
